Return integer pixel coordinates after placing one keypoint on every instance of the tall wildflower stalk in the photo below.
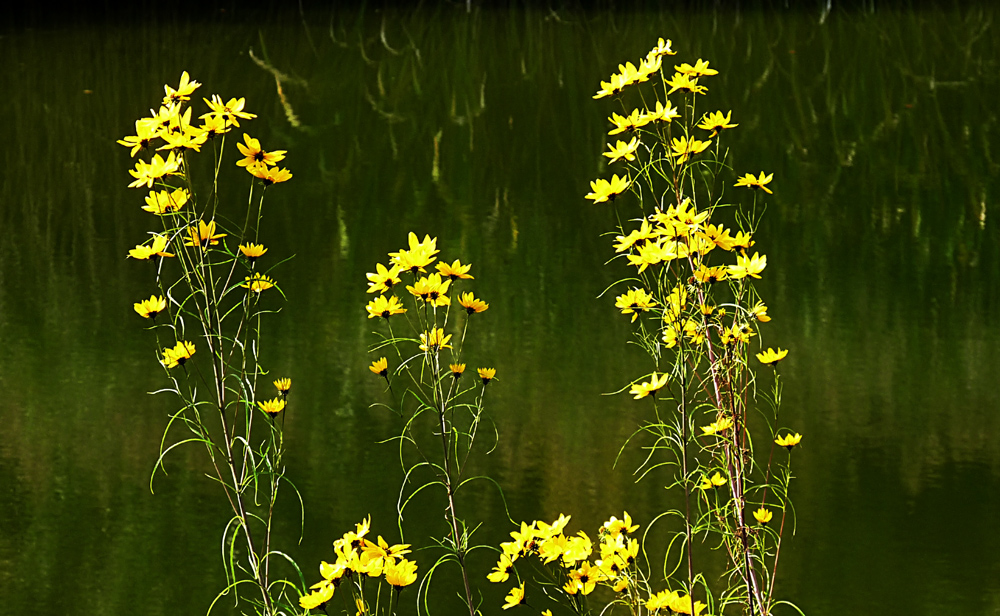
(691, 298)
(211, 290)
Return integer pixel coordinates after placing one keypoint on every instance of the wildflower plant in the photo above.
(423, 319)
(691, 301)
(206, 315)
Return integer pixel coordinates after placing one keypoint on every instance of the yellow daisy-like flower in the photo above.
(501, 572)
(760, 181)
(317, 598)
(609, 88)
(771, 357)
(716, 122)
(165, 202)
(420, 254)
(253, 153)
(402, 573)
(384, 307)
(700, 69)
(763, 515)
(434, 340)
(487, 374)
(515, 597)
(183, 91)
(203, 235)
(228, 113)
(456, 369)
(283, 386)
(383, 279)
(454, 271)
(759, 311)
(147, 173)
(747, 266)
(635, 302)
(176, 356)
(145, 134)
(663, 48)
(252, 251)
(149, 308)
(615, 527)
(651, 387)
(710, 275)
(380, 366)
(272, 407)
(685, 83)
(630, 122)
(269, 175)
(431, 289)
(788, 441)
(603, 190)
(684, 147)
(715, 481)
(623, 150)
(661, 113)
(717, 426)
(257, 283)
(157, 249)
(471, 304)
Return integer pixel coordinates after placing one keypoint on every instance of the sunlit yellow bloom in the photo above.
(147, 173)
(719, 235)
(269, 175)
(454, 271)
(253, 153)
(546, 530)
(228, 113)
(318, 598)
(585, 578)
(602, 190)
(375, 557)
(487, 374)
(661, 600)
(715, 481)
(615, 527)
(283, 386)
(760, 312)
(515, 597)
(637, 237)
(771, 357)
(742, 240)
(717, 426)
(252, 251)
(456, 369)
(684, 147)
(145, 134)
(683, 604)
(661, 113)
(700, 69)
(651, 387)
(176, 356)
(623, 150)
(737, 333)
(383, 279)
(158, 249)
(420, 254)
(632, 121)
(434, 340)
(471, 304)
(747, 266)
(431, 289)
(608, 88)
(635, 302)
(149, 308)
(716, 122)
(183, 91)
(763, 515)
(165, 202)
(501, 572)
(203, 235)
(332, 573)
(213, 126)
(272, 407)
(663, 48)
(788, 441)
(685, 83)
(380, 366)
(384, 307)
(710, 275)
(649, 65)
(185, 138)
(257, 283)
(760, 182)
(401, 573)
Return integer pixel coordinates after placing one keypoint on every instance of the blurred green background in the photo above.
(880, 127)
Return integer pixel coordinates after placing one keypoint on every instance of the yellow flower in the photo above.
(471, 304)
(185, 138)
(788, 441)
(165, 201)
(616, 84)
(683, 604)
(715, 122)
(380, 366)
(149, 308)
(456, 369)
(763, 515)
(684, 147)
(661, 600)
(454, 271)
(635, 302)
(644, 389)
(252, 251)
(700, 69)
(615, 527)
(760, 182)
(760, 312)
(228, 113)
(269, 175)
(771, 357)
(212, 126)
(717, 426)
(602, 190)
(317, 598)
(183, 91)
(147, 173)
(661, 113)
(431, 289)
(203, 235)
(383, 279)
(502, 570)
(710, 275)
(272, 407)
(283, 386)
(585, 578)
(715, 481)
(420, 254)
(176, 356)
(385, 308)
(486, 374)
(402, 573)
(747, 266)
(663, 48)
(632, 121)
(623, 150)
(433, 340)
(145, 133)
(257, 283)
(685, 83)
(253, 153)
(158, 248)
(515, 597)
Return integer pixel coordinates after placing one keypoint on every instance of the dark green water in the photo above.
(883, 277)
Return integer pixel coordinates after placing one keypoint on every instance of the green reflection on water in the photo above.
(882, 278)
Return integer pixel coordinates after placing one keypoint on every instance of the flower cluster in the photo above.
(359, 557)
